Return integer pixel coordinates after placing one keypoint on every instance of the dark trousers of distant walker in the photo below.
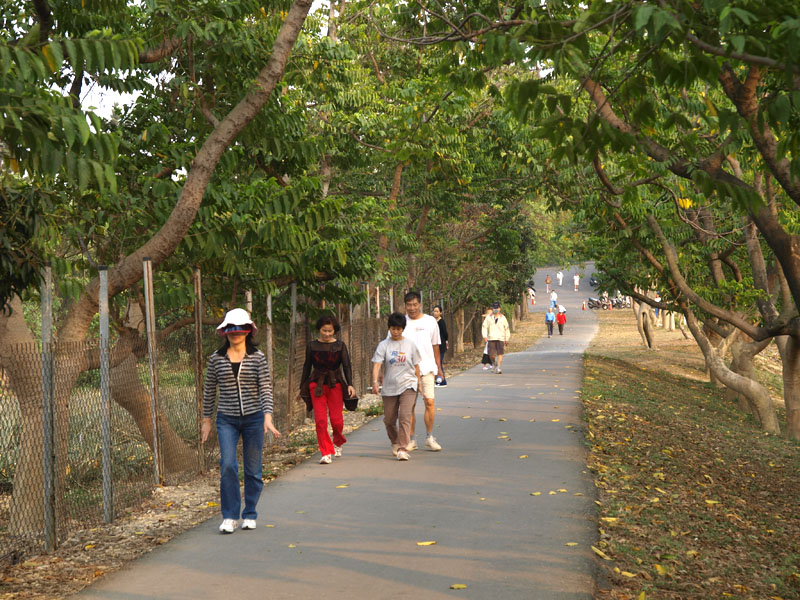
(330, 401)
(560, 329)
(549, 328)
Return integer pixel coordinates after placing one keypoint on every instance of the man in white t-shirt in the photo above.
(560, 277)
(423, 330)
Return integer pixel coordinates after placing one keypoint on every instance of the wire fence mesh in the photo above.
(78, 499)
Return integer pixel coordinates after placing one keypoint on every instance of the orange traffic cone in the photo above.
(584, 305)
(610, 306)
(534, 300)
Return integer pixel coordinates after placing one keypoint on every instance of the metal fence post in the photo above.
(248, 301)
(150, 322)
(105, 396)
(270, 355)
(268, 340)
(198, 363)
(48, 411)
(391, 299)
(290, 374)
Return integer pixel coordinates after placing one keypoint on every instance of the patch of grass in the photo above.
(373, 410)
(695, 501)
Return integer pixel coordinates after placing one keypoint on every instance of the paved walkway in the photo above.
(319, 539)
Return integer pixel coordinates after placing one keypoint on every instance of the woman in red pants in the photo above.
(327, 372)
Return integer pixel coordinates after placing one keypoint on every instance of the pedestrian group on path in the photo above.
(405, 364)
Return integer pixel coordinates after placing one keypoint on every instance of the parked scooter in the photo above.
(594, 303)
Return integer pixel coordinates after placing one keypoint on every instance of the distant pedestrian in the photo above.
(423, 330)
(438, 314)
(553, 299)
(239, 371)
(496, 334)
(577, 281)
(560, 277)
(549, 320)
(547, 282)
(486, 360)
(561, 319)
(400, 360)
(327, 374)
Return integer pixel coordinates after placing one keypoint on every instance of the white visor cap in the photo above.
(237, 316)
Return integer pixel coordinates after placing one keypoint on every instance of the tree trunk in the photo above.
(128, 391)
(790, 360)
(755, 392)
(458, 326)
(477, 323)
(742, 363)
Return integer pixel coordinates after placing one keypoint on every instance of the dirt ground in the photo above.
(694, 501)
(170, 510)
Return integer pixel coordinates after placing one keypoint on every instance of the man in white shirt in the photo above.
(560, 277)
(553, 299)
(423, 330)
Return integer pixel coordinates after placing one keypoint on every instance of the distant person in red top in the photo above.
(561, 320)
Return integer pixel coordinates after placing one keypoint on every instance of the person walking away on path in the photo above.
(577, 281)
(486, 360)
(550, 319)
(423, 330)
(561, 319)
(327, 373)
(244, 410)
(438, 314)
(496, 333)
(400, 360)
(553, 299)
(560, 277)
(547, 282)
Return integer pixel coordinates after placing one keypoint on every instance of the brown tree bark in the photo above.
(754, 391)
(458, 334)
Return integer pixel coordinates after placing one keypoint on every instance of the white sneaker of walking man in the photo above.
(423, 330)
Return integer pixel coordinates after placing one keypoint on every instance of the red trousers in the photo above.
(329, 402)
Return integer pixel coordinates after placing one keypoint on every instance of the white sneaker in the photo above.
(394, 449)
(326, 459)
(412, 445)
(337, 450)
(499, 371)
(228, 526)
(432, 444)
(402, 455)
(248, 523)
(486, 367)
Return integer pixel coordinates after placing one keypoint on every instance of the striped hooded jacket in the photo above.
(250, 393)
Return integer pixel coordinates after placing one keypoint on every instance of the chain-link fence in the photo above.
(88, 429)
(74, 486)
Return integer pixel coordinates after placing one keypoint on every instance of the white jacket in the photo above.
(496, 330)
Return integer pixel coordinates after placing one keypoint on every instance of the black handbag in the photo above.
(351, 404)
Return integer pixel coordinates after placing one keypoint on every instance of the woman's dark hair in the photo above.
(250, 344)
(397, 319)
(439, 306)
(328, 320)
(411, 296)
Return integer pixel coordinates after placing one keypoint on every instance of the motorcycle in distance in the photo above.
(594, 303)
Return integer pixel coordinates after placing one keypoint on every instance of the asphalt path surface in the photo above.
(352, 529)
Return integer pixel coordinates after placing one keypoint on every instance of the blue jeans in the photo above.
(251, 429)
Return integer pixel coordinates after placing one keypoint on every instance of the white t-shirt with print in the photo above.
(424, 332)
(398, 358)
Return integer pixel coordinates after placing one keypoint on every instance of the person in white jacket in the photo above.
(496, 333)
